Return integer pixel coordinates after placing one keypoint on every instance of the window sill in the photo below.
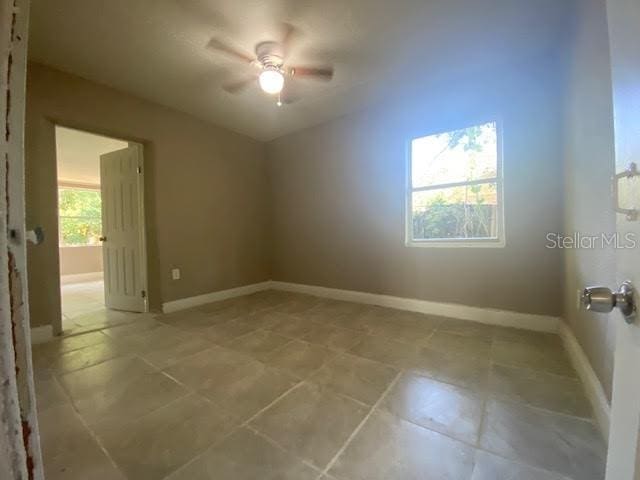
(494, 243)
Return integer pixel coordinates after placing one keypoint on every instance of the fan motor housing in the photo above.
(270, 53)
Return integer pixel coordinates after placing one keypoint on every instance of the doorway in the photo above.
(100, 225)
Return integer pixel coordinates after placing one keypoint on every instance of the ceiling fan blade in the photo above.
(288, 35)
(220, 46)
(237, 86)
(318, 73)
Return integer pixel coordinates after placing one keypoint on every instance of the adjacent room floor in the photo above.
(79, 299)
(83, 308)
(285, 386)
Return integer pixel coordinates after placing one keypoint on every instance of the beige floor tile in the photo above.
(49, 394)
(329, 311)
(464, 371)
(411, 332)
(554, 442)
(332, 337)
(359, 378)
(163, 356)
(106, 376)
(164, 336)
(233, 308)
(298, 304)
(445, 408)
(374, 317)
(454, 344)
(245, 456)
(123, 405)
(259, 344)
(354, 321)
(389, 448)
(465, 327)
(105, 318)
(492, 467)
(69, 450)
(224, 333)
(265, 319)
(506, 334)
(311, 422)
(248, 388)
(156, 444)
(78, 359)
(192, 320)
(289, 326)
(540, 389)
(391, 352)
(202, 370)
(127, 330)
(119, 391)
(69, 343)
(544, 357)
(300, 359)
(264, 300)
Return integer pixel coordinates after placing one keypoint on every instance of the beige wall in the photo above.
(205, 190)
(589, 163)
(80, 259)
(338, 197)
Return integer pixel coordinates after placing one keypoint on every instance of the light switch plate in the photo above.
(175, 274)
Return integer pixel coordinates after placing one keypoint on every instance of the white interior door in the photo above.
(623, 462)
(123, 248)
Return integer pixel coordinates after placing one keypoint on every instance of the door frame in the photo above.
(144, 267)
(20, 455)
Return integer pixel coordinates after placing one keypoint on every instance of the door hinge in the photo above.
(143, 293)
(139, 169)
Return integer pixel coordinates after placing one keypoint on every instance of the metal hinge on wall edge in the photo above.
(139, 169)
(630, 213)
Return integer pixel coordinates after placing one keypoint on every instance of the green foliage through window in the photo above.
(79, 211)
(455, 185)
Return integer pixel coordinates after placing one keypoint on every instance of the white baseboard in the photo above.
(191, 302)
(593, 387)
(504, 318)
(41, 334)
(81, 278)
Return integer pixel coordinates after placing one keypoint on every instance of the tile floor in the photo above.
(292, 387)
(83, 308)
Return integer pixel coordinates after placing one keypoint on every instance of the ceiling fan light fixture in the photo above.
(271, 81)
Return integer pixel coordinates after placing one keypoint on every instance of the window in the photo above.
(80, 216)
(454, 196)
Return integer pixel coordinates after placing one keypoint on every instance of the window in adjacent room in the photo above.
(454, 196)
(80, 216)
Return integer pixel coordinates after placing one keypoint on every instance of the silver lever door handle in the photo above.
(603, 300)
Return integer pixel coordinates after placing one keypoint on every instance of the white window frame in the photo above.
(495, 242)
(60, 217)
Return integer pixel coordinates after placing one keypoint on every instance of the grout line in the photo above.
(277, 399)
(360, 425)
(95, 437)
(233, 430)
(282, 448)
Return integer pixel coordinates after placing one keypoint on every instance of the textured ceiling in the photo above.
(156, 49)
(78, 154)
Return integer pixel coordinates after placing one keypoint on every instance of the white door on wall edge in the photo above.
(123, 248)
(623, 461)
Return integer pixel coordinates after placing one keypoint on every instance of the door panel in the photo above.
(122, 229)
(624, 34)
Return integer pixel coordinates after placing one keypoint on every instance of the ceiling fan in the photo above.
(273, 74)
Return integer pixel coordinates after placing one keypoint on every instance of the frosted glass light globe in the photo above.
(271, 81)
